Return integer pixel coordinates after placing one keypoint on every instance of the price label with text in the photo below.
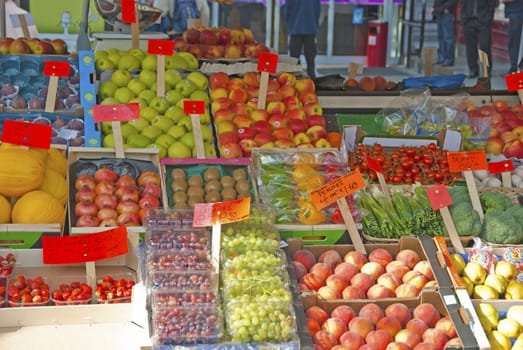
(339, 188)
(438, 196)
(267, 62)
(208, 214)
(85, 247)
(465, 161)
(373, 164)
(500, 167)
(514, 81)
(27, 134)
(160, 47)
(128, 11)
(56, 69)
(116, 112)
(194, 107)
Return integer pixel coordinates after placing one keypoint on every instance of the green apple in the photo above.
(174, 113)
(129, 62)
(188, 139)
(123, 95)
(206, 133)
(148, 113)
(107, 128)
(107, 89)
(209, 149)
(100, 53)
(143, 103)
(114, 58)
(149, 62)
(138, 53)
(121, 77)
(127, 130)
(199, 79)
(175, 62)
(159, 103)
(136, 86)
(139, 124)
(186, 87)
(138, 141)
(200, 95)
(151, 132)
(148, 78)
(176, 131)
(109, 101)
(108, 141)
(103, 63)
(147, 95)
(173, 96)
(164, 140)
(205, 118)
(162, 151)
(186, 122)
(172, 77)
(162, 122)
(179, 149)
(114, 50)
(192, 62)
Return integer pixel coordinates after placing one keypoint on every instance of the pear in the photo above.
(515, 313)
(475, 272)
(506, 269)
(498, 282)
(498, 341)
(485, 293)
(514, 291)
(518, 345)
(489, 313)
(509, 328)
(469, 286)
(458, 262)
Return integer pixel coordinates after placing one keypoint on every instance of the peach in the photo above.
(378, 291)
(330, 257)
(317, 347)
(335, 326)
(381, 256)
(317, 313)
(356, 258)
(399, 311)
(427, 313)
(305, 257)
(410, 275)
(341, 347)
(311, 281)
(313, 326)
(417, 326)
(389, 324)
(424, 346)
(408, 337)
(346, 270)
(373, 268)
(456, 342)
(380, 338)
(447, 326)
(328, 293)
(351, 293)
(389, 280)
(344, 312)
(352, 340)
(406, 290)
(398, 268)
(409, 257)
(436, 337)
(324, 339)
(362, 281)
(397, 346)
(372, 312)
(338, 282)
(431, 284)
(321, 270)
(424, 268)
(299, 269)
(361, 326)
(368, 347)
(418, 281)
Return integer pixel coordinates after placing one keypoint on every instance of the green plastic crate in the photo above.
(367, 121)
(313, 235)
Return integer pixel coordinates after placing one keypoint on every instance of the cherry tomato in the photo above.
(432, 146)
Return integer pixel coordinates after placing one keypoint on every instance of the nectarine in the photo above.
(372, 312)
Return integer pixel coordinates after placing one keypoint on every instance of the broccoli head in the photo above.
(494, 200)
(517, 213)
(459, 194)
(500, 227)
(466, 219)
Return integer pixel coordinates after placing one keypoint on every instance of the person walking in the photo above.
(445, 13)
(514, 14)
(477, 17)
(303, 18)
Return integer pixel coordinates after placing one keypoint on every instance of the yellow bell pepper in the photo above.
(309, 215)
(311, 182)
(302, 170)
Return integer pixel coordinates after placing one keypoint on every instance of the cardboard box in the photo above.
(314, 234)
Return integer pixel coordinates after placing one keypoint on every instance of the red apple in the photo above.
(292, 102)
(246, 133)
(59, 46)
(218, 79)
(223, 115)
(301, 138)
(247, 145)
(231, 150)
(282, 133)
(315, 119)
(262, 126)
(251, 79)
(494, 145)
(228, 137)
(316, 132)
(298, 126)
(262, 138)
(296, 114)
(208, 37)
(224, 36)
(259, 114)
(238, 95)
(284, 143)
(192, 36)
(278, 121)
(308, 97)
(242, 121)
(286, 79)
(276, 107)
(306, 84)
(224, 126)
(215, 52)
(233, 52)
(19, 46)
(312, 108)
(513, 149)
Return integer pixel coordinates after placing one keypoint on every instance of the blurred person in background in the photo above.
(514, 14)
(445, 13)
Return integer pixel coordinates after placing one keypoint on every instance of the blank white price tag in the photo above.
(450, 299)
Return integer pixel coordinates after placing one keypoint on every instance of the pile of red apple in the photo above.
(219, 42)
(106, 199)
(354, 276)
(292, 116)
(33, 46)
(394, 327)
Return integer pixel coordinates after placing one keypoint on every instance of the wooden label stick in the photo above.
(354, 234)
(483, 57)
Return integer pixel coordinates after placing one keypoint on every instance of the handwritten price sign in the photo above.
(466, 161)
(438, 196)
(56, 69)
(160, 47)
(500, 167)
(193, 107)
(116, 112)
(128, 11)
(208, 214)
(27, 134)
(267, 62)
(339, 188)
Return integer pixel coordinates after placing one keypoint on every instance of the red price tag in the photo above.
(128, 11)
(267, 62)
(339, 188)
(208, 214)
(500, 167)
(514, 81)
(374, 165)
(438, 196)
(116, 112)
(465, 161)
(86, 247)
(27, 134)
(193, 107)
(56, 69)
(160, 47)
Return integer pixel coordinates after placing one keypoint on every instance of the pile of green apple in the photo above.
(162, 124)
(137, 59)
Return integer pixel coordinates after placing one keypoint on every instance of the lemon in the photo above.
(488, 312)
(509, 328)
(498, 341)
(458, 262)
